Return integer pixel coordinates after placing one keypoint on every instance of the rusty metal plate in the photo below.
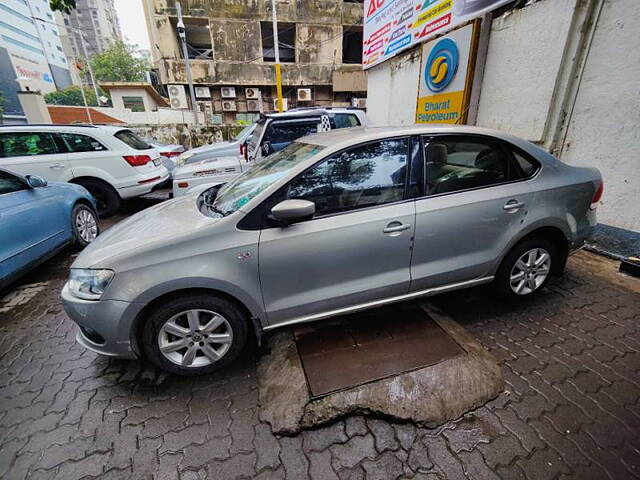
(368, 346)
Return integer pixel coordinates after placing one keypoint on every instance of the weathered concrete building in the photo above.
(231, 51)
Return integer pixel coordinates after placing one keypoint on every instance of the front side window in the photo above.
(133, 140)
(363, 176)
(82, 143)
(27, 143)
(252, 182)
(455, 164)
(10, 183)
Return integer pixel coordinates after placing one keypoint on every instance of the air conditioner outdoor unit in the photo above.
(304, 94)
(177, 96)
(359, 102)
(285, 105)
(253, 105)
(205, 107)
(252, 93)
(228, 106)
(203, 92)
(228, 92)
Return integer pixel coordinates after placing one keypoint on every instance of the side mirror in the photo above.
(35, 181)
(291, 211)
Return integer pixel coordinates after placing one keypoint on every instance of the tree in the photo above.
(72, 96)
(117, 63)
(64, 6)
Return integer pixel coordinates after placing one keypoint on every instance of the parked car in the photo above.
(216, 150)
(334, 223)
(111, 162)
(272, 133)
(169, 151)
(38, 219)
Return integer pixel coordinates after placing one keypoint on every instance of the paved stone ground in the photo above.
(571, 359)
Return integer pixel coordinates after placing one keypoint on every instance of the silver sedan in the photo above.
(335, 223)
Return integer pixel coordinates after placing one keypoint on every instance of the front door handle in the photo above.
(396, 227)
(56, 165)
(513, 206)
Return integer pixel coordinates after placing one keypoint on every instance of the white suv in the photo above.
(111, 162)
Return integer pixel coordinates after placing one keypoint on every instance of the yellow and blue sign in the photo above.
(442, 65)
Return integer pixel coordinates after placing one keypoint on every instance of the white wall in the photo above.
(604, 130)
(392, 91)
(161, 117)
(117, 93)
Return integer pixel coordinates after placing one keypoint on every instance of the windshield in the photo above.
(243, 133)
(243, 188)
(257, 135)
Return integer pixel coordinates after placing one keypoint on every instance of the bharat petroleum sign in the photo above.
(442, 65)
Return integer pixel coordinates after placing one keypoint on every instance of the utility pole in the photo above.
(86, 59)
(276, 47)
(183, 40)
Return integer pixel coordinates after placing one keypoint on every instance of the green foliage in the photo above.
(72, 96)
(64, 6)
(119, 64)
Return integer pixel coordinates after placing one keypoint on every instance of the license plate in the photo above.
(157, 161)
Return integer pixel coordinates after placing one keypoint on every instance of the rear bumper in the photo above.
(143, 188)
(104, 325)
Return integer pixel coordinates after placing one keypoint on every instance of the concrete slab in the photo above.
(427, 396)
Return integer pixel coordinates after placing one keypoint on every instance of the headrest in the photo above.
(436, 153)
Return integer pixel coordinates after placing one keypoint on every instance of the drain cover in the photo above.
(369, 346)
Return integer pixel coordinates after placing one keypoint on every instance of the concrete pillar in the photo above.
(34, 107)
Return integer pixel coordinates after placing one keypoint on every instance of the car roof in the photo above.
(55, 127)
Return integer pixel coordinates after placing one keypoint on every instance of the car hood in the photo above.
(162, 225)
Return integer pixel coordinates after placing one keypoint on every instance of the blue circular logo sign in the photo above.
(442, 65)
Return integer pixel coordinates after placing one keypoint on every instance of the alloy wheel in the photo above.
(86, 225)
(195, 338)
(530, 271)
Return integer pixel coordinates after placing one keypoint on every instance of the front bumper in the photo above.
(105, 325)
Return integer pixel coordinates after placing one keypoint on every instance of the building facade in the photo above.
(231, 52)
(31, 53)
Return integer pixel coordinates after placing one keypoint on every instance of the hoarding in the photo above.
(446, 76)
(391, 26)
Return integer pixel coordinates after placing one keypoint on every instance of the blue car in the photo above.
(39, 219)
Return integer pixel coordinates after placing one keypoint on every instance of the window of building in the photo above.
(197, 37)
(458, 163)
(363, 176)
(27, 143)
(286, 42)
(351, 44)
(135, 104)
(66, 21)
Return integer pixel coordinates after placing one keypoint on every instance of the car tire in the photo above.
(526, 269)
(107, 199)
(84, 222)
(172, 343)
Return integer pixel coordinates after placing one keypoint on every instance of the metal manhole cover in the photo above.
(369, 346)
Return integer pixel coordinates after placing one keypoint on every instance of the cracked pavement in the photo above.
(571, 409)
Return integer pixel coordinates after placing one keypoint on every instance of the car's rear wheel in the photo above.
(84, 221)
(194, 334)
(526, 268)
(107, 199)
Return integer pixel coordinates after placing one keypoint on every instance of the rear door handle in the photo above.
(396, 227)
(56, 165)
(513, 205)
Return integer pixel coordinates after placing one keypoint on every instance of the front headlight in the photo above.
(89, 284)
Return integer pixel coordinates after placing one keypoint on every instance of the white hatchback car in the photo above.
(112, 162)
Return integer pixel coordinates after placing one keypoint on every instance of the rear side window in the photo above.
(82, 143)
(282, 134)
(527, 165)
(133, 140)
(27, 143)
(344, 120)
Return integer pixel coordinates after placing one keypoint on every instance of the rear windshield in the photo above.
(133, 140)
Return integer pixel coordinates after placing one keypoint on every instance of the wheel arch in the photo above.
(139, 321)
(552, 233)
(78, 181)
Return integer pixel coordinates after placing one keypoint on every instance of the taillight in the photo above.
(597, 196)
(137, 160)
(169, 154)
(243, 150)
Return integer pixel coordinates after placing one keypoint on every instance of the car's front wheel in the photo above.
(526, 268)
(84, 221)
(194, 334)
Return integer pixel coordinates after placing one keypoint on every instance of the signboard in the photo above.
(391, 26)
(446, 76)
(32, 74)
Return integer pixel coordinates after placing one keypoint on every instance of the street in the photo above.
(571, 409)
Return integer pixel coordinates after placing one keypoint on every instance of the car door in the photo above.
(476, 202)
(357, 247)
(31, 223)
(35, 153)
(85, 150)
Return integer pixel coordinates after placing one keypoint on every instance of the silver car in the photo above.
(334, 223)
